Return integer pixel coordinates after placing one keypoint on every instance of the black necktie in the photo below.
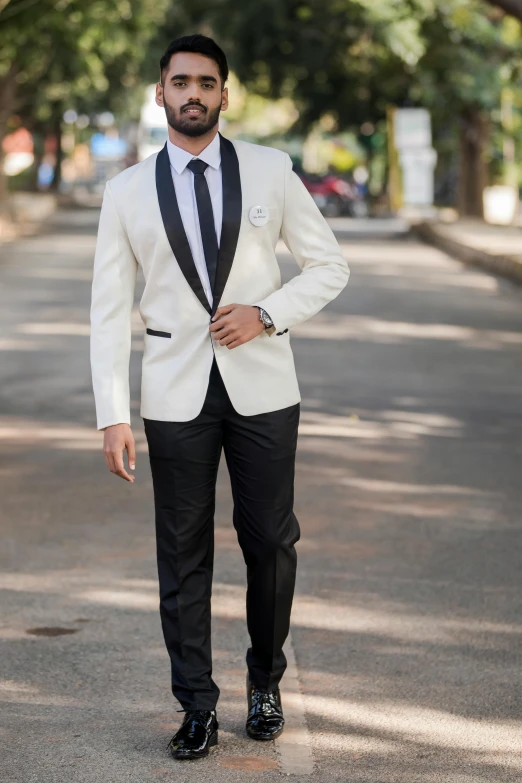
(206, 217)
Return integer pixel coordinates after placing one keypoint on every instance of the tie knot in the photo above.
(197, 166)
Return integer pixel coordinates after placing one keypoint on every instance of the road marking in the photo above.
(294, 745)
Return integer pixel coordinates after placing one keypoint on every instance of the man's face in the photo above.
(191, 95)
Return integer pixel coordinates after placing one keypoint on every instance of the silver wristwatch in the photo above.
(265, 318)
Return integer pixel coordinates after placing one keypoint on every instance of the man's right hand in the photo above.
(117, 438)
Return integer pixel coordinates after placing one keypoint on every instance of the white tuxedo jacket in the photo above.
(140, 224)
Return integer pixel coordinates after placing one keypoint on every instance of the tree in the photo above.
(58, 54)
(351, 58)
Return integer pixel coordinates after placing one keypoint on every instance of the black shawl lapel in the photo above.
(174, 228)
(232, 205)
(231, 224)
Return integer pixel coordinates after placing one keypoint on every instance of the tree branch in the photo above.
(15, 9)
(511, 7)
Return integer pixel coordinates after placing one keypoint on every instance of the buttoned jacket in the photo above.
(140, 226)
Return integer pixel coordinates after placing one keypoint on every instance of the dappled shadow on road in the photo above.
(407, 623)
(20, 434)
(405, 620)
(407, 617)
(373, 330)
(371, 689)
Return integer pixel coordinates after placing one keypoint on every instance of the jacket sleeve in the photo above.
(113, 284)
(324, 269)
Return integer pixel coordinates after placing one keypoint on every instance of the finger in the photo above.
(229, 338)
(108, 460)
(223, 321)
(235, 343)
(114, 461)
(219, 325)
(120, 468)
(226, 337)
(224, 310)
(227, 330)
(131, 454)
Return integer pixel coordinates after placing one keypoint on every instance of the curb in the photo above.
(505, 266)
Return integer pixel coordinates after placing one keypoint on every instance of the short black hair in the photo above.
(201, 44)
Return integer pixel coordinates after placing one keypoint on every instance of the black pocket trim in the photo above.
(158, 334)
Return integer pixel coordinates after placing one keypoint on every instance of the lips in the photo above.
(193, 111)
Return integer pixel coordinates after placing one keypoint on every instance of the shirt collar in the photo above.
(179, 157)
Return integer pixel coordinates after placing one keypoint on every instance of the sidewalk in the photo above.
(495, 248)
(26, 213)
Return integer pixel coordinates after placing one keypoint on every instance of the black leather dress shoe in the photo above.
(265, 719)
(197, 733)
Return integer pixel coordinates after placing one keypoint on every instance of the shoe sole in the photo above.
(213, 741)
(265, 739)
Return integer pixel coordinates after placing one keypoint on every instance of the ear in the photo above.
(159, 94)
(224, 99)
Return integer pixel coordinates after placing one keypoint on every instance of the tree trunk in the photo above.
(38, 152)
(57, 131)
(8, 105)
(474, 133)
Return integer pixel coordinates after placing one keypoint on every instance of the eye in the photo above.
(208, 84)
(176, 84)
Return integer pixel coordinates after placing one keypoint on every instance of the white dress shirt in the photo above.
(183, 179)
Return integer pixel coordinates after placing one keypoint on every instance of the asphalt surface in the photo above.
(407, 620)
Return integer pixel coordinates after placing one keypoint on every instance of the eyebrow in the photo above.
(186, 76)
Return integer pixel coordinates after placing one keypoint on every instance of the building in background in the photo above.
(152, 127)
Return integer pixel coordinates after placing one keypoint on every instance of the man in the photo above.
(202, 218)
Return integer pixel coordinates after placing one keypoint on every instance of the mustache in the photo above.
(197, 105)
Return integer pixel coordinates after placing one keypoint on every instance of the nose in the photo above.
(194, 94)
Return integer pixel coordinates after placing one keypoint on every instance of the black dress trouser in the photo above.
(184, 458)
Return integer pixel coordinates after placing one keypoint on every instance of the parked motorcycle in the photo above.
(334, 195)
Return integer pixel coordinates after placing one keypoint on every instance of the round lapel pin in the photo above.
(258, 216)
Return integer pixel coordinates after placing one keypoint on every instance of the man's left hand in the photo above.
(235, 324)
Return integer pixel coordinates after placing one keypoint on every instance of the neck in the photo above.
(192, 144)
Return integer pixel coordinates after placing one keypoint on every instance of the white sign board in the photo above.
(417, 158)
(417, 167)
(412, 128)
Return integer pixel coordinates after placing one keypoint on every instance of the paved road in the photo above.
(405, 660)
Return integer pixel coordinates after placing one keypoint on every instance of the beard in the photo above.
(182, 123)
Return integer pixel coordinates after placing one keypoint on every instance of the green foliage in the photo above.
(346, 58)
(351, 58)
(74, 53)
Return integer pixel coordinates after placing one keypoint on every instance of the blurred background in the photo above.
(385, 107)
(404, 120)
